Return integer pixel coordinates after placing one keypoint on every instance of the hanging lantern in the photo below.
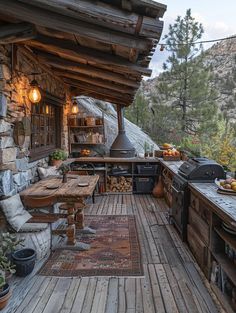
(34, 93)
(74, 109)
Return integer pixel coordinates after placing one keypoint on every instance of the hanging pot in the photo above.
(24, 261)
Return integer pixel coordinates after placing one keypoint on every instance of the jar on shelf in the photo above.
(90, 121)
(73, 121)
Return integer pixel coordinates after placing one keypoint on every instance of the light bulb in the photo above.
(34, 93)
(74, 109)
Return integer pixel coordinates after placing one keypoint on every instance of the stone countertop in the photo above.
(173, 166)
(224, 205)
(111, 160)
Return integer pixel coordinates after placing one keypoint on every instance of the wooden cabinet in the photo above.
(213, 246)
(85, 133)
(167, 178)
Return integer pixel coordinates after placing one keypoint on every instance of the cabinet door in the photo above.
(199, 225)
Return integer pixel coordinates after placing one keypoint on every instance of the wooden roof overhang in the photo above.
(99, 48)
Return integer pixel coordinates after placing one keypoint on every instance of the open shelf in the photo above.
(86, 127)
(228, 238)
(227, 265)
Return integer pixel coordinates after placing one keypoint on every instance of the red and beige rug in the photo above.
(115, 250)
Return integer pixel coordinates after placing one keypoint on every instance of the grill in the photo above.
(198, 170)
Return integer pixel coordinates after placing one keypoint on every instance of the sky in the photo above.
(217, 17)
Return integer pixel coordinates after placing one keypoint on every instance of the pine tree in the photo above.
(185, 84)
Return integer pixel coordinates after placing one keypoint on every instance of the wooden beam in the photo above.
(98, 90)
(95, 82)
(95, 12)
(12, 33)
(90, 71)
(77, 92)
(71, 51)
(71, 25)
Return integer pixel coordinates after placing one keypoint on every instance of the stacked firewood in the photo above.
(119, 184)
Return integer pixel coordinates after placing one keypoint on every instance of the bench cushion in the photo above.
(49, 171)
(33, 227)
(15, 213)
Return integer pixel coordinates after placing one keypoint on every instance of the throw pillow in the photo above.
(14, 211)
(47, 171)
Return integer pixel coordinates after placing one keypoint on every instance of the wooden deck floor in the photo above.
(172, 281)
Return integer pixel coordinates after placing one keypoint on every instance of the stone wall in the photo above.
(16, 66)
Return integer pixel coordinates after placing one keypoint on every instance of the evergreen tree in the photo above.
(185, 84)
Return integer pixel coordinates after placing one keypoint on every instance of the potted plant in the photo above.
(4, 290)
(9, 244)
(57, 157)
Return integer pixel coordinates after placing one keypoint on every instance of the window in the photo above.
(45, 128)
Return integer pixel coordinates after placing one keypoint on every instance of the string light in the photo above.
(163, 45)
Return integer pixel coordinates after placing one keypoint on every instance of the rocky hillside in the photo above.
(222, 58)
(134, 133)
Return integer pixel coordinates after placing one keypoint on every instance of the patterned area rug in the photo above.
(115, 250)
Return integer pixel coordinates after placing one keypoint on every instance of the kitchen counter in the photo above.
(222, 204)
(112, 160)
(173, 166)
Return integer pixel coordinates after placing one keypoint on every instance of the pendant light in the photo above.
(75, 109)
(34, 92)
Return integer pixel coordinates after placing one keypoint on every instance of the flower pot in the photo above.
(4, 296)
(56, 163)
(24, 260)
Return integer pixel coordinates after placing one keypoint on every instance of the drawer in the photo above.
(199, 225)
(197, 247)
(205, 212)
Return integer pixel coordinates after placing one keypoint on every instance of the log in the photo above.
(67, 65)
(71, 25)
(71, 51)
(95, 82)
(95, 90)
(103, 15)
(13, 33)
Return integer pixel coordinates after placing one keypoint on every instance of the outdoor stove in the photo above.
(121, 147)
(198, 170)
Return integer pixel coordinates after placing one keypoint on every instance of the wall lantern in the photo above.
(75, 109)
(34, 93)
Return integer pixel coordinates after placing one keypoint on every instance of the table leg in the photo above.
(79, 221)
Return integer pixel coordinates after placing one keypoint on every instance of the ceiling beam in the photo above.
(95, 82)
(78, 92)
(53, 20)
(111, 17)
(90, 71)
(124, 98)
(71, 51)
(13, 33)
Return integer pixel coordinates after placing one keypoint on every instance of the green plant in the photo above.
(9, 243)
(63, 169)
(58, 155)
(2, 279)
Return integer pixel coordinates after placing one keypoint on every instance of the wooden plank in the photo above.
(99, 303)
(80, 296)
(121, 298)
(112, 296)
(108, 16)
(13, 33)
(69, 50)
(148, 298)
(130, 295)
(76, 67)
(57, 21)
(56, 300)
(48, 292)
(167, 295)
(138, 296)
(156, 291)
(70, 296)
(88, 300)
(94, 81)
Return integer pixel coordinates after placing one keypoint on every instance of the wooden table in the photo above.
(68, 192)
